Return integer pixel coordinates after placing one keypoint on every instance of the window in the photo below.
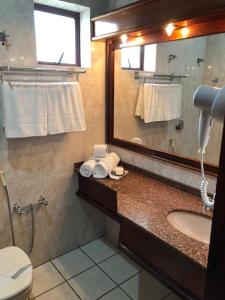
(57, 35)
(131, 58)
(150, 58)
(139, 58)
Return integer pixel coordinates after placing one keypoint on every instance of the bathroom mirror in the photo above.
(153, 92)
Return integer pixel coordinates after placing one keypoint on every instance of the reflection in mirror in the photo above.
(153, 106)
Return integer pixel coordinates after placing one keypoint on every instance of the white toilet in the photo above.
(12, 260)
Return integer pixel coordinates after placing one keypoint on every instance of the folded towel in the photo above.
(104, 166)
(100, 151)
(24, 112)
(87, 167)
(65, 107)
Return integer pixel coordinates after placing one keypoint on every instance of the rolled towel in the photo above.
(104, 166)
(100, 170)
(87, 167)
(100, 151)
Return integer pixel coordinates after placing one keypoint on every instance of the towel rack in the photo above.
(169, 77)
(68, 72)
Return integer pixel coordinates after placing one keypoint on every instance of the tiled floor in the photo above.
(96, 271)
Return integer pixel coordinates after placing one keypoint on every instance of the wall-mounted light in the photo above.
(139, 40)
(135, 42)
(185, 32)
(170, 29)
(124, 38)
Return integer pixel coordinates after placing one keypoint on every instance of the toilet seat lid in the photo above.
(13, 259)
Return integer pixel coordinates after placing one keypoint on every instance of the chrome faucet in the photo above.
(20, 210)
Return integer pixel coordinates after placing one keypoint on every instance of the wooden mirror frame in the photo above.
(201, 26)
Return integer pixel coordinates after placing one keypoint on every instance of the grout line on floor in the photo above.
(125, 292)
(48, 290)
(64, 253)
(76, 274)
(57, 270)
(117, 284)
(130, 278)
(105, 258)
(106, 293)
(101, 269)
(74, 290)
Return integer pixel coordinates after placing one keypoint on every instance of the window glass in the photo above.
(131, 57)
(55, 38)
(150, 57)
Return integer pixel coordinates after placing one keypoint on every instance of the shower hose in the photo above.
(11, 222)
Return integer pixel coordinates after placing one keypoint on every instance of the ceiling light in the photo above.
(124, 38)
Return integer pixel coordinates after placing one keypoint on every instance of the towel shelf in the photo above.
(9, 69)
(169, 77)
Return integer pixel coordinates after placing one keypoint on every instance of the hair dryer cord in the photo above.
(208, 202)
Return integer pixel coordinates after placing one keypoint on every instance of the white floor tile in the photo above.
(72, 263)
(144, 286)
(116, 294)
(120, 268)
(91, 284)
(99, 250)
(45, 278)
(62, 292)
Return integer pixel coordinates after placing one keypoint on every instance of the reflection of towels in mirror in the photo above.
(159, 102)
(137, 140)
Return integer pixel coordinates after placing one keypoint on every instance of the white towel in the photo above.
(104, 166)
(100, 151)
(137, 140)
(64, 107)
(24, 111)
(87, 167)
(140, 103)
(159, 102)
(100, 170)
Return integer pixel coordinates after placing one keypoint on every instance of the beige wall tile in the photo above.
(44, 165)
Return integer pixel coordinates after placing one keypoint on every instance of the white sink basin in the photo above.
(193, 225)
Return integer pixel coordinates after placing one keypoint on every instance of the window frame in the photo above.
(65, 13)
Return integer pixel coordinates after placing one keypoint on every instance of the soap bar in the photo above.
(119, 171)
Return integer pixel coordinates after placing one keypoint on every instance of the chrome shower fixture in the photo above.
(179, 125)
(199, 61)
(20, 210)
(4, 39)
(215, 80)
(171, 58)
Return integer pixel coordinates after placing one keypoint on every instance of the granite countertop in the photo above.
(147, 202)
